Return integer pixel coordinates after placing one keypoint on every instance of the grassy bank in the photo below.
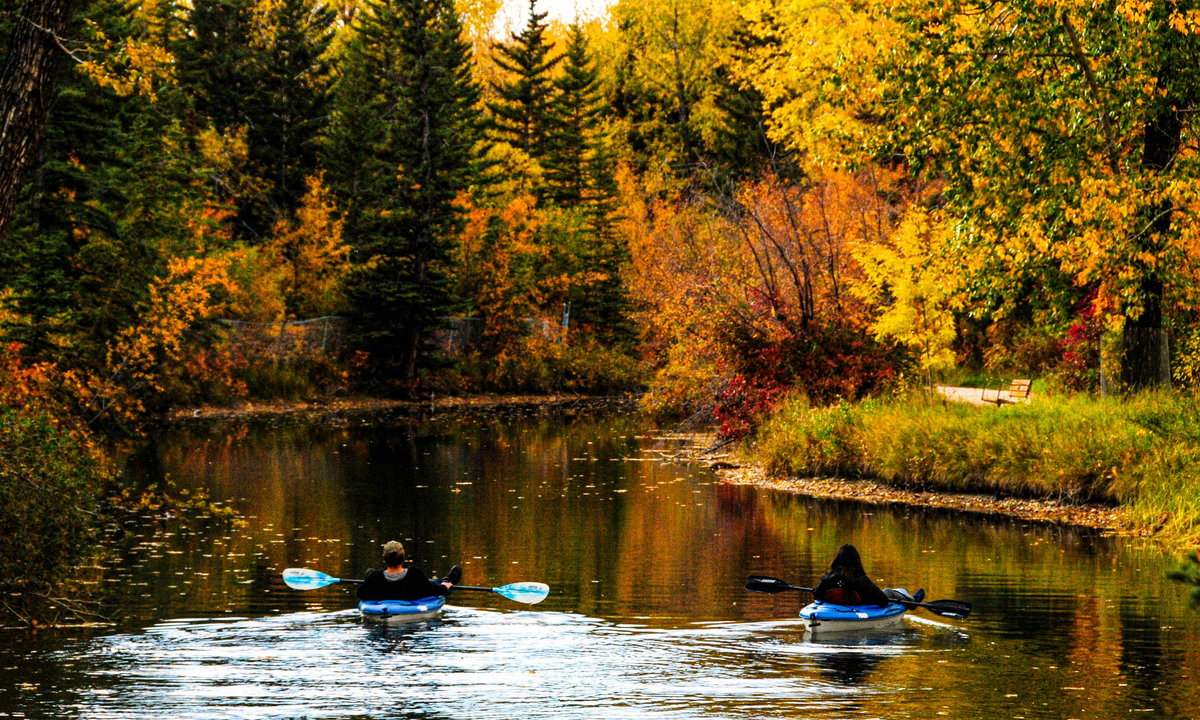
(1142, 453)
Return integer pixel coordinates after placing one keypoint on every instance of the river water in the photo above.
(647, 618)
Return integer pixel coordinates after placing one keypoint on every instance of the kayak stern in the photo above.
(396, 612)
(821, 617)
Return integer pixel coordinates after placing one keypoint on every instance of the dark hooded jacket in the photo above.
(847, 583)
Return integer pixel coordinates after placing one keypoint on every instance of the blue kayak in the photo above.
(401, 611)
(822, 617)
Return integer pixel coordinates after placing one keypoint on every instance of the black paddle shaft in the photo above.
(945, 608)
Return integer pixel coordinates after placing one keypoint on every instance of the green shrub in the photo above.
(50, 478)
(543, 367)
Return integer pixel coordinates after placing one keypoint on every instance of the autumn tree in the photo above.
(406, 109)
(520, 112)
(662, 59)
(1058, 130)
(311, 251)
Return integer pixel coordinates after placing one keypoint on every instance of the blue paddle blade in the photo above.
(525, 592)
(305, 579)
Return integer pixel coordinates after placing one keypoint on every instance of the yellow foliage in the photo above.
(128, 67)
(228, 154)
(311, 254)
(914, 280)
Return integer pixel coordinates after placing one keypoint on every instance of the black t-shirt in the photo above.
(414, 585)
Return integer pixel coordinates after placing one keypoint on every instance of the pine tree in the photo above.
(261, 69)
(406, 118)
(578, 164)
(520, 113)
(289, 107)
(214, 63)
(80, 261)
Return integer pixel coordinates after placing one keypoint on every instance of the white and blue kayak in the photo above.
(395, 612)
(823, 617)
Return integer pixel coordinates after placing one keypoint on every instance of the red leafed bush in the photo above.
(826, 363)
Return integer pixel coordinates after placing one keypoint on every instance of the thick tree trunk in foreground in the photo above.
(26, 86)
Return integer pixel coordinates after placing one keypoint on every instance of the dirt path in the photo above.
(973, 396)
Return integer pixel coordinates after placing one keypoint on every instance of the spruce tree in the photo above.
(520, 112)
(579, 179)
(290, 103)
(214, 61)
(266, 73)
(80, 261)
(407, 120)
(578, 164)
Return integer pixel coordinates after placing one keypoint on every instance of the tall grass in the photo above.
(1142, 452)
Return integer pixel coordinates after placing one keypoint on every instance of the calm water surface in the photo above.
(647, 618)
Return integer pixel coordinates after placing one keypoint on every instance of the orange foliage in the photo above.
(313, 254)
(757, 269)
(502, 260)
(157, 351)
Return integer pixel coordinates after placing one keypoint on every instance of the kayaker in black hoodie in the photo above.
(397, 582)
(847, 583)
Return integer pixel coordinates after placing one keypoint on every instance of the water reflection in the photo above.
(646, 618)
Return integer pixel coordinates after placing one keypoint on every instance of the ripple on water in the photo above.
(473, 662)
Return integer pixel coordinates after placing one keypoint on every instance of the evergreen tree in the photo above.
(407, 120)
(578, 163)
(214, 61)
(261, 69)
(579, 179)
(520, 112)
(289, 107)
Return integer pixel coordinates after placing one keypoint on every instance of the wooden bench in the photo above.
(1018, 391)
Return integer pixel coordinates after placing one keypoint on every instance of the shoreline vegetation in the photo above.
(1129, 464)
(365, 404)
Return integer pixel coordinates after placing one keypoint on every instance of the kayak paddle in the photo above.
(524, 592)
(945, 608)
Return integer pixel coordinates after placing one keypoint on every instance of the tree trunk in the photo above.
(1144, 362)
(26, 87)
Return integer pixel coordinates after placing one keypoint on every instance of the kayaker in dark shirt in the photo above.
(397, 582)
(847, 583)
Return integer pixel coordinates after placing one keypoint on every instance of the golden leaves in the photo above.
(921, 280)
(128, 67)
(188, 293)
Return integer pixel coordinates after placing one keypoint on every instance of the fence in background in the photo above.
(281, 341)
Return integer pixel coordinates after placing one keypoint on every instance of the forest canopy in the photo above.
(724, 202)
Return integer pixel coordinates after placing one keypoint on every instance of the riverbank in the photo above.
(741, 465)
(365, 405)
(1128, 464)
(1099, 517)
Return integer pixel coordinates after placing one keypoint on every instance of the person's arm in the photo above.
(870, 593)
(367, 589)
(827, 583)
(416, 578)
